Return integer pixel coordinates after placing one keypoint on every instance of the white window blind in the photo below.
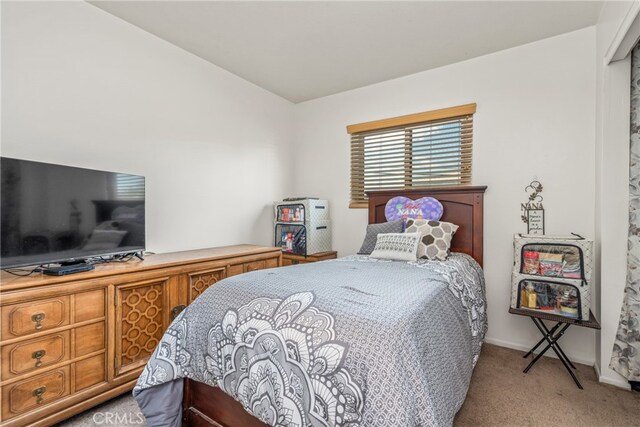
(129, 187)
(415, 151)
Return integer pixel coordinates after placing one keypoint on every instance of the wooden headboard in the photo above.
(462, 206)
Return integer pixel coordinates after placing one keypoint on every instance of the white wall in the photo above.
(120, 99)
(612, 181)
(535, 119)
(84, 88)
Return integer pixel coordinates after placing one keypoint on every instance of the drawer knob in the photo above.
(177, 310)
(37, 319)
(38, 393)
(39, 354)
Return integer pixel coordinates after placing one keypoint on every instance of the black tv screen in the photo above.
(52, 213)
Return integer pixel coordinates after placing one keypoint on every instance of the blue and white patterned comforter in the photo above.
(348, 342)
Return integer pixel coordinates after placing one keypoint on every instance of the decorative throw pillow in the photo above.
(396, 246)
(436, 237)
(404, 208)
(372, 234)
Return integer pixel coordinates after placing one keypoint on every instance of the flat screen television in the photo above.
(53, 213)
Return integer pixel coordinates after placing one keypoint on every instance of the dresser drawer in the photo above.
(34, 355)
(35, 316)
(90, 371)
(89, 339)
(247, 267)
(89, 305)
(255, 265)
(271, 262)
(234, 270)
(23, 396)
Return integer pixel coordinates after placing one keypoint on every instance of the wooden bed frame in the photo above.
(463, 206)
(204, 405)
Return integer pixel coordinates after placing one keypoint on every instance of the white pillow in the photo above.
(396, 246)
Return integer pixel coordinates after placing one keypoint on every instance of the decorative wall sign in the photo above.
(535, 225)
(402, 208)
(533, 210)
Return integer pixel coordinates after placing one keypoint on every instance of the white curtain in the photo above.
(626, 349)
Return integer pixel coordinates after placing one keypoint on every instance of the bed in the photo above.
(348, 342)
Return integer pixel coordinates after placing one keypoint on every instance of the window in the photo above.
(129, 187)
(414, 151)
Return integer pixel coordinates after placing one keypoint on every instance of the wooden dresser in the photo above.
(68, 343)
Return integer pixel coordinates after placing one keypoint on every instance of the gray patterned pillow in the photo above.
(397, 246)
(372, 234)
(436, 237)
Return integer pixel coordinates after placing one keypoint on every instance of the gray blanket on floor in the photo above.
(348, 342)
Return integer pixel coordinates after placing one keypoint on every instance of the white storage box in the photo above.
(308, 210)
(306, 222)
(553, 274)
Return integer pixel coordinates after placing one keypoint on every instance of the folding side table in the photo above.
(551, 336)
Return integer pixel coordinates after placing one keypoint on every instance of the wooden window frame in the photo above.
(397, 123)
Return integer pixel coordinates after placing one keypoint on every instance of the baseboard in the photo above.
(618, 382)
(525, 347)
(615, 382)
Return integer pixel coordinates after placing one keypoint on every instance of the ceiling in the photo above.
(305, 50)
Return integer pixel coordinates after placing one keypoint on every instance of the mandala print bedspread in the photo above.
(347, 342)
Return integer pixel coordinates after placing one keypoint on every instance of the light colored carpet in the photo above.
(499, 395)
(118, 412)
(502, 395)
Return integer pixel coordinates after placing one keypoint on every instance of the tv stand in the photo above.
(68, 267)
(94, 332)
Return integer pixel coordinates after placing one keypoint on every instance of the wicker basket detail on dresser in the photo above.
(200, 281)
(140, 310)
